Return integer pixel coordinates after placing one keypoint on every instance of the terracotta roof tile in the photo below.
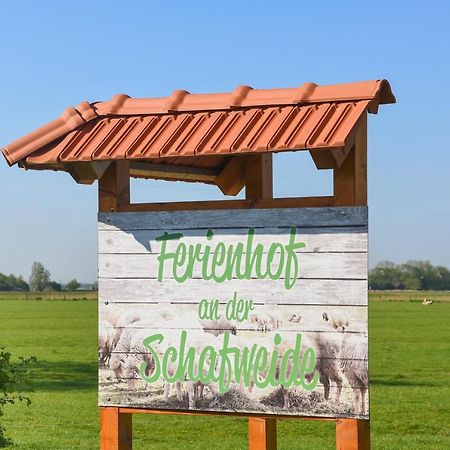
(186, 125)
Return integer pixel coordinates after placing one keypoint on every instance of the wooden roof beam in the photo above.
(231, 179)
(172, 172)
(86, 172)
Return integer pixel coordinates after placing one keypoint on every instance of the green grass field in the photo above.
(409, 367)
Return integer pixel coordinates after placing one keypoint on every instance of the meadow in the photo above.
(409, 369)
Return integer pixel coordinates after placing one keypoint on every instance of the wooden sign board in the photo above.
(249, 311)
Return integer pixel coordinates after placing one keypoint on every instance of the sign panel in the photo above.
(254, 311)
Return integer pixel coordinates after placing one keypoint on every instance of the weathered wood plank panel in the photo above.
(312, 265)
(257, 218)
(138, 396)
(299, 318)
(317, 240)
(284, 332)
(321, 292)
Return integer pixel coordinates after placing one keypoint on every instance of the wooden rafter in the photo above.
(172, 172)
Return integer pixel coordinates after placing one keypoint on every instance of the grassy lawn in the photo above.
(410, 392)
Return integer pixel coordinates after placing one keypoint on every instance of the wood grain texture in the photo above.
(317, 240)
(309, 291)
(257, 218)
(286, 202)
(115, 429)
(114, 187)
(140, 398)
(262, 434)
(290, 318)
(311, 265)
(352, 434)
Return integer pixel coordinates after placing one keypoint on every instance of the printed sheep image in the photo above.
(105, 341)
(127, 318)
(266, 320)
(331, 334)
(338, 320)
(354, 366)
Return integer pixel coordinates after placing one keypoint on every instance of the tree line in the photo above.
(39, 281)
(412, 275)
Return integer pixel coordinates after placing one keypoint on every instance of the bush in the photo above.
(12, 382)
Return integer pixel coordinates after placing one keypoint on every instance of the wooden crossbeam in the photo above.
(289, 202)
(172, 172)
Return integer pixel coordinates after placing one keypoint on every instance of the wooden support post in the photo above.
(114, 187)
(259, 177)
(352, 434)
(114, 191)
(115, 429)
(262, 434)
(350, 180)
(350, 189)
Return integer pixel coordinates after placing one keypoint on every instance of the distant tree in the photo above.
(12, 283)
(414, 275)
(18, 283)
(54, 286)
(72, 285)
(39, 278)
(4, 283)
(385, 275)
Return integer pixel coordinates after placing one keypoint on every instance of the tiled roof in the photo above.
(182, 128)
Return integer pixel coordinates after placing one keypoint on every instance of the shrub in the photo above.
(13, 377)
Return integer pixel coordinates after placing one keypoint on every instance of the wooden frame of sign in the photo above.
(350, 189)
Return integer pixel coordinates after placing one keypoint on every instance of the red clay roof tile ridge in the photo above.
(70, 120)
(378, 91)
(243, 97)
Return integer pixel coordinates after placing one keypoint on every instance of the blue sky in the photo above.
(56, 54)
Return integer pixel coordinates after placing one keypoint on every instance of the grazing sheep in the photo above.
(105, 337)
(294, 318)
(327, 363)
(121, 349)
(111, 313)
(138, 354)
(266, 320)
(127, 318)
(338, 320)
(354, 367)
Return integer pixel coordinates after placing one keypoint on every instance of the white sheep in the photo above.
(338, 320)
(137, 355)
(105, 339)
(111, 313)
(354, 366)
(120, 351)
(266, 320)
(327, 363)
(127, 318)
